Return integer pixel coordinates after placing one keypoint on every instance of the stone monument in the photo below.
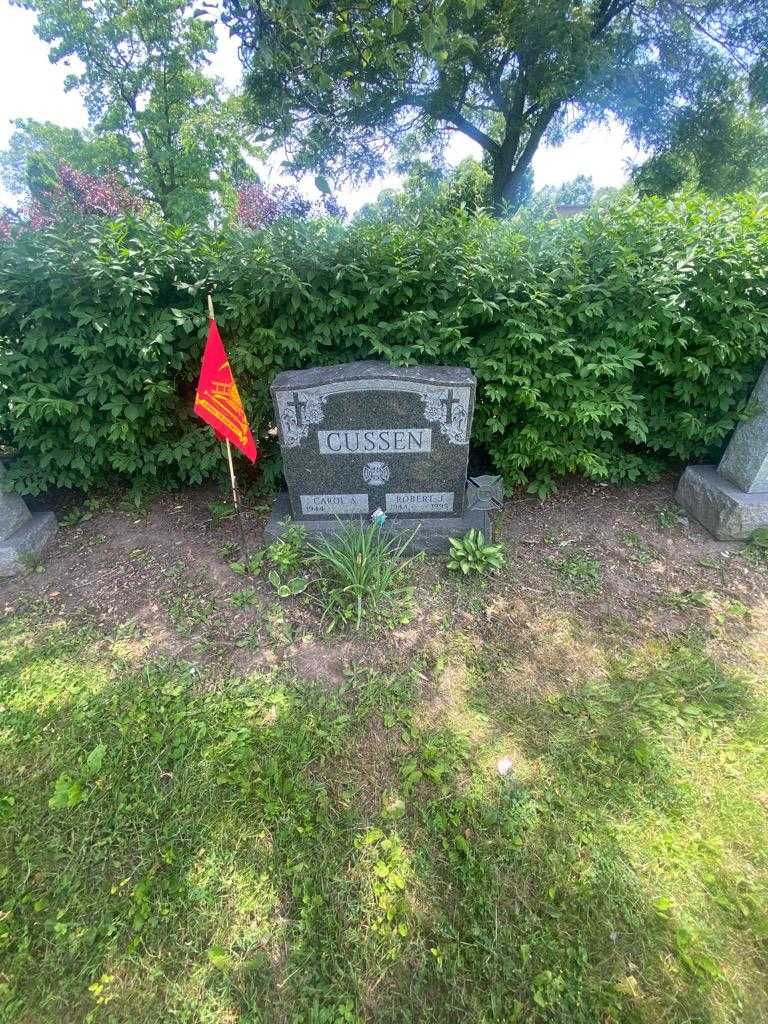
(21, 533)
(366, 438)
(731, 501)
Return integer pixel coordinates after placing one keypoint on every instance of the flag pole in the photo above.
(233, 481)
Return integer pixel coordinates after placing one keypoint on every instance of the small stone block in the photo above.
(431, 534)
(13, 511)
(745, 462)
(29, 539)
(727, 512)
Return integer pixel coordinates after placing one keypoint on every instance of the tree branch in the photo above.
(464, 125)
(425, 102)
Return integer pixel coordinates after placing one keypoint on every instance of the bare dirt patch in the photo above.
(588, 566)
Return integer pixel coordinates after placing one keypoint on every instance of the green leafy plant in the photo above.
(687, 599)
(639, 552)
(759, 538)
(290, 589)
(251, 566)
(579, 570)
(221, 510)
(472, 553)
(287, 552)
(229, 549)
(70, 790)
(77, 515)
(755, 551)
(31, 561)
(363, 574)
(245, 598)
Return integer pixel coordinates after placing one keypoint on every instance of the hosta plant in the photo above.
(290, 589)
(471, 553)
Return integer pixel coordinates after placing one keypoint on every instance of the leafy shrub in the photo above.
(607, 345)
(98, 366)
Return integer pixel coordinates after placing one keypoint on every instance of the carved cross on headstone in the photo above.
(448, 404)
(298, 408)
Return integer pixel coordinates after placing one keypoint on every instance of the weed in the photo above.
(640, 552)
(221, 510)
(245, 598)
(228, 549)
(708, 562)
(251, 566)
(471, 553)
(579, 571)
(250, 638)
(755, 551)
(278, 629)
(74, 517)
(732, 609)
(671, 517)
(363, 575)
(188, 611)
(31, 561)
(687, 599)
(138, 499)
(287, 551)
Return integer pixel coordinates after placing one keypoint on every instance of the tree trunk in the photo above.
(507, 187)
(511, 166)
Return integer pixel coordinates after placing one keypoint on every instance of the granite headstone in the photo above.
(731, 501)
(21, 533)
(363, 437)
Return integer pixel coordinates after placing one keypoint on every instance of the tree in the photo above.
(579, 191)
(427, 191)
(174, 138)
(29, 167)
(717, 147)
(340, 82)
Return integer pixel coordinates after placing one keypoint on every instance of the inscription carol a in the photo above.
(363, 436)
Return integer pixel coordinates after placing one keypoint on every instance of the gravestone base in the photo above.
(27, 540)
(722, 508)
(431, 536)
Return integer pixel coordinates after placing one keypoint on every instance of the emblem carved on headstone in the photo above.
(449, 408)
(299, 411)
(375, 473)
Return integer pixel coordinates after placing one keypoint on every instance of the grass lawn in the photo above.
(191, 838)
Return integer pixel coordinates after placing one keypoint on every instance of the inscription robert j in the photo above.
(405, 440)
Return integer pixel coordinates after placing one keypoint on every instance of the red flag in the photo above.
(218, 400)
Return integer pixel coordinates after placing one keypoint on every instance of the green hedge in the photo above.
(606, 345)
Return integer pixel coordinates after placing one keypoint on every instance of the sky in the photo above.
(30, 86)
